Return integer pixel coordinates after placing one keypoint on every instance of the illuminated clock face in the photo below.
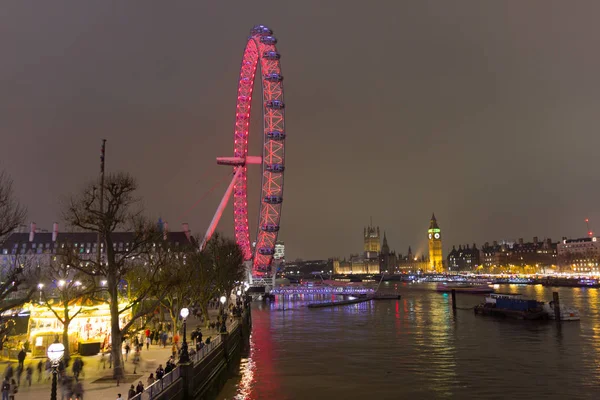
(437, 235)
(430, 236)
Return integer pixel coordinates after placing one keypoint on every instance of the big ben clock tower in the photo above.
(436, 259)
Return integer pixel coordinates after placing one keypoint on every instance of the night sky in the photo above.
(485, 112)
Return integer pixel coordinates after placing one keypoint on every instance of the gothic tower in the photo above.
(372, 240)
(436, 259)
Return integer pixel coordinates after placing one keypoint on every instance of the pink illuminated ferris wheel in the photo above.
(260, 56)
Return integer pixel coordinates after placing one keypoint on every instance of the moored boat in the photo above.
(386, 296)
(463, 288)
(511, 306)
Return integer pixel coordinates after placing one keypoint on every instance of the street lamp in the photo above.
(40, 287)
(55, 354)
(184, 357)
(223, 319)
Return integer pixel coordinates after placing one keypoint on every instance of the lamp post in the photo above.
(55, 354)
(40, 287)
(184, 357)
(223, 319)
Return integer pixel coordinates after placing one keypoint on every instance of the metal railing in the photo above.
(160, 385)
(204, 351)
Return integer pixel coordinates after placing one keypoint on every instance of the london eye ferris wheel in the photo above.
(260, 57)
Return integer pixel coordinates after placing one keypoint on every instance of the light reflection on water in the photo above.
(416, 348)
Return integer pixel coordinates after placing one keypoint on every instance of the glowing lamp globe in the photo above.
(56, 352)
(223, 299)
(239, 292)
(184, 313)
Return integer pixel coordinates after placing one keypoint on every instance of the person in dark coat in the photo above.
(21, 357)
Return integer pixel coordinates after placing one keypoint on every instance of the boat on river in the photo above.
(463, 288)
(349, 300)
(511, 306)
(386, 296)
(515, 306)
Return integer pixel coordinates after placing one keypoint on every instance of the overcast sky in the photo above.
(485, 112)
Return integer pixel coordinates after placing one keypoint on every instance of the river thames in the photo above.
(416, 348)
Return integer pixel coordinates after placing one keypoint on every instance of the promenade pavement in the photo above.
(94, 369)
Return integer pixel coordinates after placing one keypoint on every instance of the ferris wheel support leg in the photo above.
(222, 205)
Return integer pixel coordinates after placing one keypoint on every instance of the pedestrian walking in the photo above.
(5, 389)
(150, 380)
(19, 373)
(78, 391)
(139, 389)
(28, 374)
(160, 372)
(48, 369)
(131, 393)
(21, 357)
(40, 366)
(119, 396)
(9, 372)
(148, 340)
(77, 368)
(136, 361)
(14, 389)
(127, 350)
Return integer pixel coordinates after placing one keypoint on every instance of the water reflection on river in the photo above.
(415, 348)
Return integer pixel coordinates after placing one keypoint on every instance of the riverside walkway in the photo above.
(95, 378)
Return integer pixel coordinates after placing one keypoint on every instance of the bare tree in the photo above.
(18, 277)
(143, 256)
(181, 271)
(14, 272)
(228, 261)
(12, 214)
(217, 269)
(204, 278)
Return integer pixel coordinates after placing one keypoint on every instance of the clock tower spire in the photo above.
(436, 259)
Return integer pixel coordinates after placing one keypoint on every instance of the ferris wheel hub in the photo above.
(239, 161)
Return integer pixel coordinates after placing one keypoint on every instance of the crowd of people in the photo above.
(160, 334)
(71, 386)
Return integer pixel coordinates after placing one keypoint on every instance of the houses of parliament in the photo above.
(377, 257)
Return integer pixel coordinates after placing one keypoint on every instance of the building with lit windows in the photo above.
(519, 257)
(411, 263)
(579, 255)
(366, 263)
(388, 261)
(464, 259)
(279, 251)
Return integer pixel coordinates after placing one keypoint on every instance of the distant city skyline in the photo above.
(482, 112)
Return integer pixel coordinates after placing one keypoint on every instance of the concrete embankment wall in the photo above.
(205, 380)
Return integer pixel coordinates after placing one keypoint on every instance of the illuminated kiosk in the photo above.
(260, 55)
(89, 330)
